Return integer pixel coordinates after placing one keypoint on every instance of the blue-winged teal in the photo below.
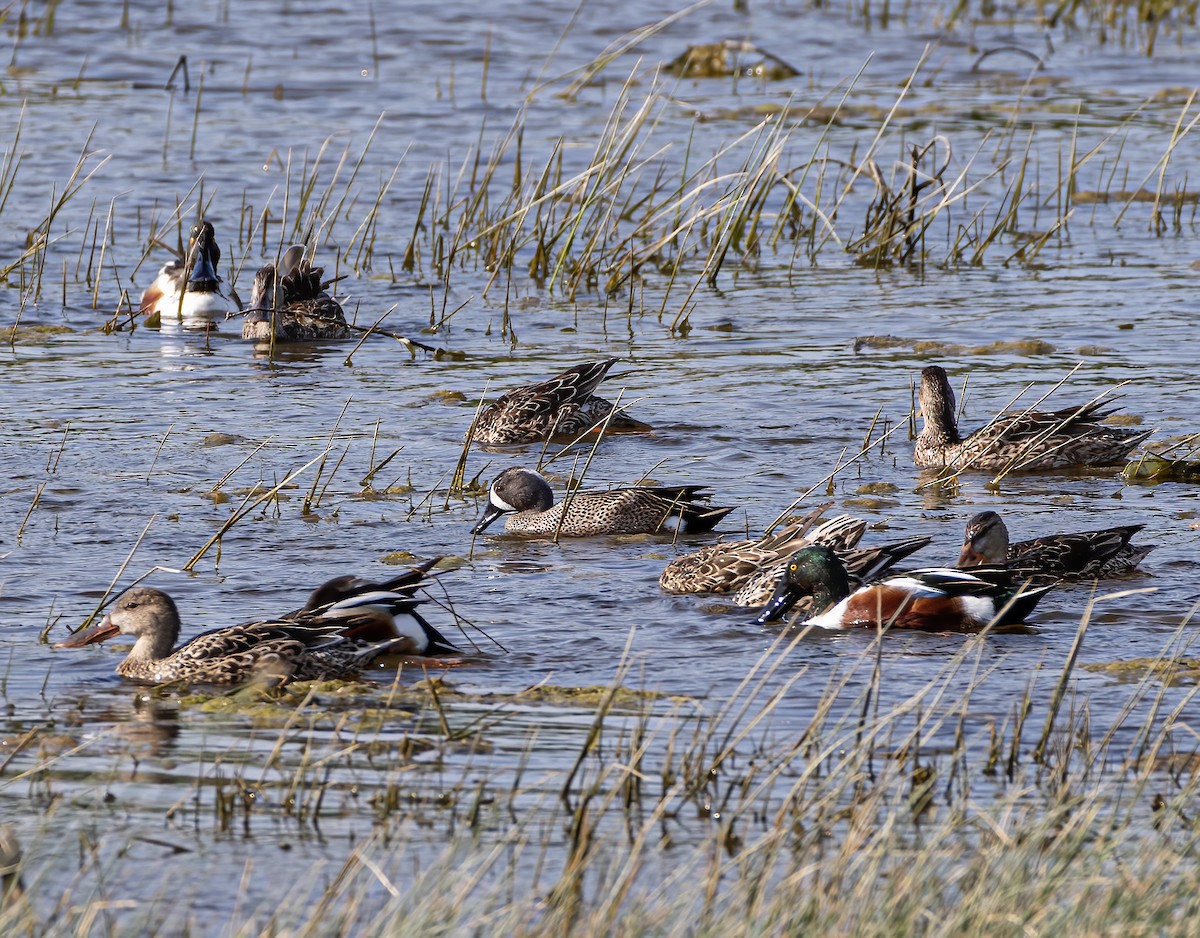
(862, 564)
(941, 600)
(727, 567)
(1086, 555)
(1021, 441)
(188, 290)
(290, 297)
(313, 646)
(563, 406)
(640, 509)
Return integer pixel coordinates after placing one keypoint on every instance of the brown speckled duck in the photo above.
(563, 406)
(1027, 440)
(727, 567)
(289, 298)
(311, 646)
(1085, 555)
(639, 509)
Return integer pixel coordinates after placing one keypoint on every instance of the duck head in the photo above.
(985, 541)
(514, 490)
(812, 571)
(146, 614)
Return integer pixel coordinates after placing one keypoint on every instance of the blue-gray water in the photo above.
(119, 432)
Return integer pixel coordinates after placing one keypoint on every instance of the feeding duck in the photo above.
(188, 290)
(1027, 440)
(862, 564)
(1085, 555)
(939, 600)
(309, 647)
(289, 300)
(368, 610)
(564, 405)
(727, 567)
(639, 509)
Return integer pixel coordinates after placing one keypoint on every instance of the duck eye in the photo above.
(133, 604)
(792, 568)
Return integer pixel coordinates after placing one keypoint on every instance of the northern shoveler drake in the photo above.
(289, 300)
(640, 509)
(728, 566)
(368, 610)
(1086, 555)
(189, 290)
(313, 646)
(563, 406)
(941, 600)
(862, 564)
(1027, 440)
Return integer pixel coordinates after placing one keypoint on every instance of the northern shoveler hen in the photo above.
(188, 290)
(1086, 555)
(639, 509)
(565, 405)
(862, 564)
(941, 600)
(1022, 441)
(289, 299)
(311, 647)
(727, 567)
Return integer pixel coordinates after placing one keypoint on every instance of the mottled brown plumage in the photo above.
(563, 406)
(1026, 440)
(313, 645)
(730, 565)
(1085, 555)
(289, 299)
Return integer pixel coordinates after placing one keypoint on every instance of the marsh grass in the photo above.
(876, 814)
(644, 206)
(808, 183)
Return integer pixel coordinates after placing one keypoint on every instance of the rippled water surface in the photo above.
(115, 435)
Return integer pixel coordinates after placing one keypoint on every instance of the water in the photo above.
(130, 432)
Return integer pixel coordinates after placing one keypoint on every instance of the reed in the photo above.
(881, 813)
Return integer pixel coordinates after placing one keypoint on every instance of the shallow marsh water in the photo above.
(119, 432)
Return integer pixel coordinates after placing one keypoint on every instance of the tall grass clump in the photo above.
(876, 812)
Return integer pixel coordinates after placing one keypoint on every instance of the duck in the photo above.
(936, 600)
(862, 564)
(1028, 440)
(309, 647)
(188, 290)
(562, 406)
(288, 301)
(368, 610)
(341, 588)
(639, 509)
(1086, 555)
(729, 566)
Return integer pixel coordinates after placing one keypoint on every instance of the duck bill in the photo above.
(784, 598)
(970, 558)
(490, 515)
(97, 633)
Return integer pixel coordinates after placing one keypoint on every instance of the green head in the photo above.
(812, 571)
